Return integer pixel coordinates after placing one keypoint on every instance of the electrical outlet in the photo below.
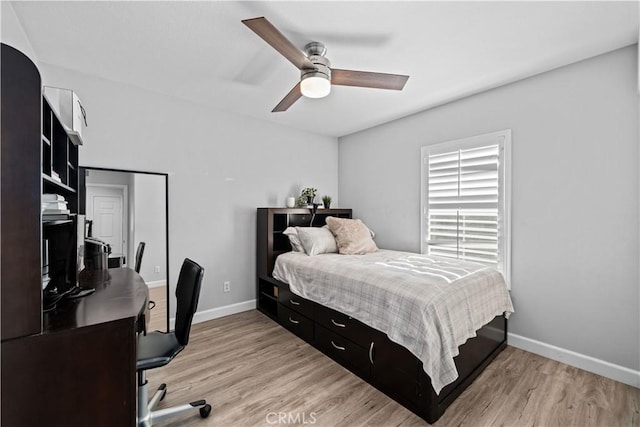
(226, 286)
(157, 269)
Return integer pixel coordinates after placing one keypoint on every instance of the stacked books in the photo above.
(54, 207)
(55, 176)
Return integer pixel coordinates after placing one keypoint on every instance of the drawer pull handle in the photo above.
(337, 346)
(371, 353)
(294, 302)
(341, 325)
(295, 322)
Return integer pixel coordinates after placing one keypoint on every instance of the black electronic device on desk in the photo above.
(96, 253)
(62, 259)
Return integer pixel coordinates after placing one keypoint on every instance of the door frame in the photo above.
(125, 214)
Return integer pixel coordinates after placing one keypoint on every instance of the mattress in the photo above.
(430, 305)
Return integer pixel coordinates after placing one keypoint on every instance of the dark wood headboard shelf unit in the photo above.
(271, 242)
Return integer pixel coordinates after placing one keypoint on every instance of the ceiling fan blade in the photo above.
(293, 95)
(262, 27)
(368, 79)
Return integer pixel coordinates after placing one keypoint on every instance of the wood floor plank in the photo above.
(253, 371)
(158, 319)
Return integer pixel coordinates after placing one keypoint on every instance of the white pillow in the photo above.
(317, 240)
(292, 234)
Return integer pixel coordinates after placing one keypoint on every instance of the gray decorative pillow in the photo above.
(352, 236)
(292, 234)
(317, 240)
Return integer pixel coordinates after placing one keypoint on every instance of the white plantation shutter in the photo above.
(464, 203)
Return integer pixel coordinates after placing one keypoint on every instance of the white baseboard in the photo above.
(588, 363)
(156, 284)
(214, 313)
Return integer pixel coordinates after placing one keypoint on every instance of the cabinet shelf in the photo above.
(46, 223)
(59, 154)
(269, 296)
(62, 186)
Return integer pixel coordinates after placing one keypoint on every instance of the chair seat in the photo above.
(156, 349)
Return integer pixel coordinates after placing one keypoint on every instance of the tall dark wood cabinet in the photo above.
(20, 292)
(37, 157)
(75, 364)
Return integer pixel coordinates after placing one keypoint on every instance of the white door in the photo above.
(104, 208)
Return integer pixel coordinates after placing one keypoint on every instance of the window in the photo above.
(465, 200)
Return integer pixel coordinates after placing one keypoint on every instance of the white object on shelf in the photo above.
(291, 202)
(69, 109)
(52, 197)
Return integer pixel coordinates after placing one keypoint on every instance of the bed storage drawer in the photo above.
(295, 302)
(343, 325)
(394, 368)
(300, 325)
(344, 351)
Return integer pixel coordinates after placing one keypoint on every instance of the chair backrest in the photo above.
(139, 253)
(187, 294)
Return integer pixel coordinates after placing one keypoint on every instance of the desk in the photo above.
(81, 370)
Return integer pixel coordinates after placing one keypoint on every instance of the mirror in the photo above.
(124, 208)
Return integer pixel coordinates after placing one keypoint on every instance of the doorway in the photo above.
(108, 212)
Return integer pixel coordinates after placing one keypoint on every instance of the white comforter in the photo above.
(430, 305)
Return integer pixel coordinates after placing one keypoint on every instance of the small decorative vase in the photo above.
(291, 202)
(310, 200)
(327, 205)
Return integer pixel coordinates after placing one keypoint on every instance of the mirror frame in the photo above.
(82, 208)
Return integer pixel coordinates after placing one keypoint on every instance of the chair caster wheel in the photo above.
(205, 411)
(164, 393)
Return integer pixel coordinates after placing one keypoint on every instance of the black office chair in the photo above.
(139, 253)
(157, 349)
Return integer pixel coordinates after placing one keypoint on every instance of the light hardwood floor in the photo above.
(158, 319)
(250, 369)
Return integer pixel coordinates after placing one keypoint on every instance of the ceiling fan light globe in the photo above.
(315, 86)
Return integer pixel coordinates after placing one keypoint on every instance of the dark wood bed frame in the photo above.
(365, 351)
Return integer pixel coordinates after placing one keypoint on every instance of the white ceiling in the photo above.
(202, 52)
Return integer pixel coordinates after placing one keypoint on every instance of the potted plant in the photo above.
(326, 201)
(306, 196)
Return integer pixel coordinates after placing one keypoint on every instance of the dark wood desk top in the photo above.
(120, 293)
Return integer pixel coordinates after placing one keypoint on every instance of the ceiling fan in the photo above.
(316, 74)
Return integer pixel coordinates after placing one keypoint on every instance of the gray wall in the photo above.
(574, 200)
(150, 226)
(221, 167)
(12, 32)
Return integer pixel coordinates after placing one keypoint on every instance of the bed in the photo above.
(418, 328)
(428, 305)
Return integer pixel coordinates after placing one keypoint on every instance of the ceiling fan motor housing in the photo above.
(315, 53)
(322, 69)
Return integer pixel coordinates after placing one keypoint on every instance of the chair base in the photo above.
(148, 417)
